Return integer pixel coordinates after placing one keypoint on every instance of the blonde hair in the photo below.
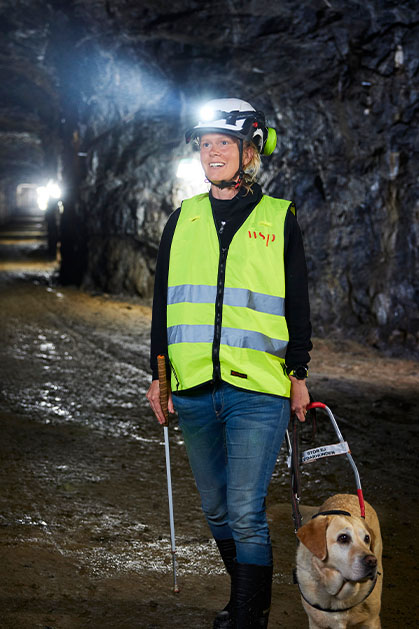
(251, 170)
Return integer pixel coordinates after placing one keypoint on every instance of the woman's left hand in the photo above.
(300, 398)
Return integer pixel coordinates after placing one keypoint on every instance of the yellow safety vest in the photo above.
(253, 333)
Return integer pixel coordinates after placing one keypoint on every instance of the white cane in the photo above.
(161, 364)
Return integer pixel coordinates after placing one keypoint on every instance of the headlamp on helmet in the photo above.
(207, 113)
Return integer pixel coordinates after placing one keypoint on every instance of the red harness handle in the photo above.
(315, 405)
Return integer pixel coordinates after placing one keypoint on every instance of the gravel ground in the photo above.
(84, 531)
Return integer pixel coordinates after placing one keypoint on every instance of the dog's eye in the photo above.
(367, 539)
(344, 539)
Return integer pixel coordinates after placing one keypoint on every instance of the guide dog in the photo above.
(339, 566)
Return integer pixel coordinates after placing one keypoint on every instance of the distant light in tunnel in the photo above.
(190, 170)
(42, 197)
(44, 193)
(54, 190)
(191, 179)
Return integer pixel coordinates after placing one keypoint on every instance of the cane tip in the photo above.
(176, 589)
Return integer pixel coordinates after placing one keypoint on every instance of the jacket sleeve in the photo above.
(297, 306)
(159, 317)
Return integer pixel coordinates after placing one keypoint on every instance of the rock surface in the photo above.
(102, 91)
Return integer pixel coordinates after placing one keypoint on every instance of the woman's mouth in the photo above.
(216, 164)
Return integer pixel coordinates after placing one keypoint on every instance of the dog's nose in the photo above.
(370, 561)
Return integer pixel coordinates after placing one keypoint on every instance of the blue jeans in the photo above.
(232, 438)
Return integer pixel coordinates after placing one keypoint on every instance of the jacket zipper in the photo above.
(216, 375)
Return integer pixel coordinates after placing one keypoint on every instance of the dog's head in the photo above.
(341, 543)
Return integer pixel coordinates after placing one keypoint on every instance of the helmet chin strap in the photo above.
(233, 183)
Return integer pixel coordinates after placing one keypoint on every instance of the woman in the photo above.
(231, 312)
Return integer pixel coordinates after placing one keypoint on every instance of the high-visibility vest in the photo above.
(253, 333)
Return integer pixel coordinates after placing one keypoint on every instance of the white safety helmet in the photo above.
(235, 117)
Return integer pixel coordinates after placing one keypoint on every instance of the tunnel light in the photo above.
(42, 197)
(44, 193)
(53, 189)
(190, 180)
(190, 170)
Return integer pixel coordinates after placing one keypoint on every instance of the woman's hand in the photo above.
(153, 396)
(300, 398)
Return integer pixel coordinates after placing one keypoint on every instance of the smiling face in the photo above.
(219, 156)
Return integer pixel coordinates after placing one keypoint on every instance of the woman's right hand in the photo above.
(153, 396)
(300, 398)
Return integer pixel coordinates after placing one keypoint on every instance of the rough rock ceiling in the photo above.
(103, 90)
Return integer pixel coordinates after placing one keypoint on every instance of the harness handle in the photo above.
(294, 463)
(294, 460)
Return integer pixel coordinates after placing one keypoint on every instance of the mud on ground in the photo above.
(84, 529)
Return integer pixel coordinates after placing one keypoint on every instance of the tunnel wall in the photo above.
(338, 80)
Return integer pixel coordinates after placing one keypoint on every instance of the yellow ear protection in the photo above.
(270, 142)
(257, 121)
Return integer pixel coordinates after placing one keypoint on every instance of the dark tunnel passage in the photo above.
(95, 97)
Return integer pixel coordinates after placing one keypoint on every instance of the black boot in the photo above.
(227, 548)
(252, 590)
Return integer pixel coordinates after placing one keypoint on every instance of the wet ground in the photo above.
(84, 527)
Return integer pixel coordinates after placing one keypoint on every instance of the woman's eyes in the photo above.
(222, 143)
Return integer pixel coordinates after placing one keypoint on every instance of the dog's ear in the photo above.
(313, 536)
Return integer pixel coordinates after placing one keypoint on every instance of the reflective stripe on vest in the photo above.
(229, 336)
(254, 333)
(242, 297)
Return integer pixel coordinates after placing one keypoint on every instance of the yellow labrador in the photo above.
(339, 566)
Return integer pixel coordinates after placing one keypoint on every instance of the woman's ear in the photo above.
(248, 153)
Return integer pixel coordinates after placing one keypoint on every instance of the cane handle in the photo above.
(164, 391)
